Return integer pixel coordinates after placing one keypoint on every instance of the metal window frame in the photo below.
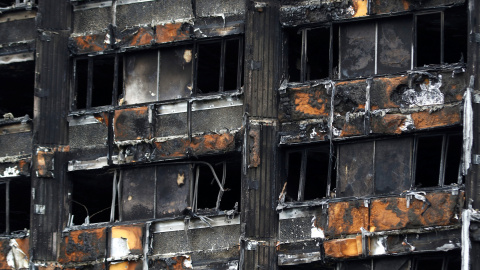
(303, 169)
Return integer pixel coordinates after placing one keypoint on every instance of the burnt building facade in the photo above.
(222, 134)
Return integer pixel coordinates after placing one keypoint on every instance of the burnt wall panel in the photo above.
(175, 72)
(138, 193)
(92, 20)
(18, 30)
(140, 81)
(393, 165)
(173, 189)
(394, 44)
(171, 125)
(355, 169)
(131, 124)
(229, 118)
(206, 8)
(357, 49)
(16, 144)
(385, 7)
(83, 246)
(215, 238)
(450, 239)
(87, 135)
(154, 12)
(295, 229)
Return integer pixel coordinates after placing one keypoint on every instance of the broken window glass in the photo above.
(218, 66)
(18, 80)
(310, 173)
(357, 49)
(91, 199)
(14, 205)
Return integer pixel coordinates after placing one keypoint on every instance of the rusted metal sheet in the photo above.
(343, 248)
(173, 189)
(126, 241)
(44, 162)
(128, 265)
(89, 43)
(83, 246)
(355, 173)
(305, 102)
(347, 217)
(173, 263)
(135, 37)
(354, 125)
(447, 116)
(4, 249)
(172, 32)
(391, 123)
(387, 7)
(439, 209)
(131, 124)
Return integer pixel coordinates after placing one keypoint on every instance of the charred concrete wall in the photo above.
(331, 134)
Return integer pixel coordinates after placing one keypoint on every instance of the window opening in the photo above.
(212, 174)
(453, 157)
(441, 37)
(429, 39)
(17, 88)
(92, 199)
(310, 53)
(15, 205)
(218, 64)
(429, 156)
(96, 81)
(310, 174)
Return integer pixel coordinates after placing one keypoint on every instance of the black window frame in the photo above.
(8, 219)
(331, 175)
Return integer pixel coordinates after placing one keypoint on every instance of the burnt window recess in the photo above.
(310, 173)
(437, 261)
(219, 65)
(97, 81)
(93, 197)
(18, 80)
(437, 160)
(210, 178)
(14, 205)
(311, 53)
(441, 37)
(393, 165)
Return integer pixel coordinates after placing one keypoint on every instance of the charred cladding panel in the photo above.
(205, 8)
(173, 189)
(92, 20)
(357, 49)
(17, 30)
(394, 44)
(355, 169)
(154, 12)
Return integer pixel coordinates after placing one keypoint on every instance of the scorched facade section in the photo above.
(193, 134)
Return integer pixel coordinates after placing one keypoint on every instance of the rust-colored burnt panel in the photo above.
(172, 32)
(386, 92)
(172, 148)
(308, 102)
(439, 209)
(254, 148)
(89, 43)
(98, 266)
(83, 246)
(354, 126)
(360, 7)
(135, 37)
(350, 96)
(132, 235)
(346, 218)
(131, 124)
(343, 248)
(128, 265)
(391, 123)
(386, 7)
(212, 143)
(447, 116)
